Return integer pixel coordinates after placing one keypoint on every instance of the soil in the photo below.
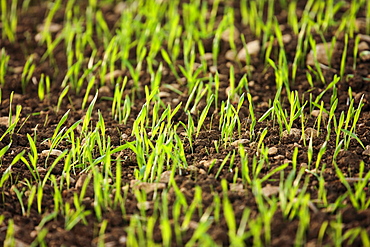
(40, 118)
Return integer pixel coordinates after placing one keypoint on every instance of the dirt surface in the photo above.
(40, 118)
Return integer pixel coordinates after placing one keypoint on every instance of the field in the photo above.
(185, 123)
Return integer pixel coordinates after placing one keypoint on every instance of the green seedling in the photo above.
(357, 195)
(87, 118)
(4, 60)
(319, 74)
(74, 216)
(40, 239)
(320, 154)
(266, 211)
(61, 96)
(10, 234)
(166, 232)
(45, 34)
(20, 199)
(9, 20)
(27, 73)
(344, 56)
(5, 149)
(7, 173)
(204, 115)
(355, 51)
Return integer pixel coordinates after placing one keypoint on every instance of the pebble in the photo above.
(193, 224)
(80, 181)
(229, 65)
(310, 132)
(293, 131)
(20, 243)
(253, 48)
(303, 165)
(364, 37)
(360, 23)
(213, 69)
(297, 145)
(235, 98)
(366, 151)
(165, 177)
(287, 161)
(316, 113)
(53, 27)
(287, 38)
(104, 91)
(193, 168)
(272, 150)
(206, 163)
(202, 171)
(143, 205)
(122, 240)
(236, 187)
(114, 74)
(147, 187)
(110, 244)
(90, 98)
(279, 157)
(365, 56)
(41, 169)
(4, 121)
(230, 55)
(164, 94)
(269, 190)
(17, 70)
(321, 54)
(225, 36)
(54, 152)
(248, 68)
(34, 234)
(208, 56)
(253, 145)
(363, 46)
(240, 141)
(120, 7)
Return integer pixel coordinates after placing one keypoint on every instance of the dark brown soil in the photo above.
(40, 118)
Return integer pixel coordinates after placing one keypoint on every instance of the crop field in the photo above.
(185, 123)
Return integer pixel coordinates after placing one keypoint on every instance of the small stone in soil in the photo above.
(272, 150)
(165, 177)
(269, 190)
(253, 48)
(310, 132)
(365, 56)
(366, 151)
(240, 141)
